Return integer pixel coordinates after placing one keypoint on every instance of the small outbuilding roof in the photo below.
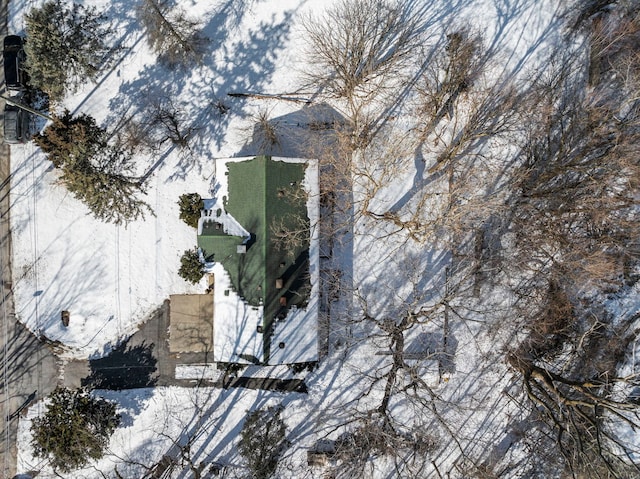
(191, 323)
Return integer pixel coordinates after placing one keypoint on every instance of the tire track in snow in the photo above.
(117, 281)
(5, 371)
(158, 230)
(29, 149)
(130, 307)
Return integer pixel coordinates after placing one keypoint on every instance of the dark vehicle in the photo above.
(13, 57)
(15, 124)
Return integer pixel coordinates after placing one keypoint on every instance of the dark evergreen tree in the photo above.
(191, 269)
(68, 136)
(65, 47)
(263, 441)
(191, 205)
(74, 429)
(103, 185)
(96, 173)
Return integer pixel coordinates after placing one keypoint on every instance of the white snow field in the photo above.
(112, 278)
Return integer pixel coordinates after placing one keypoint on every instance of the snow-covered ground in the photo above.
(111, 278)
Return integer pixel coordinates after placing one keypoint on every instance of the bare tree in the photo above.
(159, 122)
(169, 123)
(263, 132)
(291, 232)
(578, 187)
(358, 52)
(135, 136)
(575, 235)
(370, 438)
(451, 71)
(359, 44)
(457, 116)
(389, 321)
(579, 410)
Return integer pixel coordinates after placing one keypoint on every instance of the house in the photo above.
(260, 242)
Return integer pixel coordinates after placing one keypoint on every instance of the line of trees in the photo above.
(70, 44)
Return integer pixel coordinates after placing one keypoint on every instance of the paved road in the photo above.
(28, 370)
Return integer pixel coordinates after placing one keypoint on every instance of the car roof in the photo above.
(12, 41)
(11, 54)
(11, 71)
(11, 118)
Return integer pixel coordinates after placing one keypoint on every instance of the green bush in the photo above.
(191, 269)
(191, 205)
(263, 441)
(74, 429)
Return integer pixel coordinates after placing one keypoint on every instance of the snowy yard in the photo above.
(455, 396)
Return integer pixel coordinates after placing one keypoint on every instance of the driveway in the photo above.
(145, 360)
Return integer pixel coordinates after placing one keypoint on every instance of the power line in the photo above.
(19, 104)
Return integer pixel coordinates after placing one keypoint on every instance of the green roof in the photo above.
(215, 243)
(266, 198)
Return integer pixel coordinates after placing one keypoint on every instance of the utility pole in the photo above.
(21, 105)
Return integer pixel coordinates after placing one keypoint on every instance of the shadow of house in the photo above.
(127, 367)
(300, 134)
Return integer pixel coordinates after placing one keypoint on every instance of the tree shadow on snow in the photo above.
(127, 367)
(296, 134)
(200, 91)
